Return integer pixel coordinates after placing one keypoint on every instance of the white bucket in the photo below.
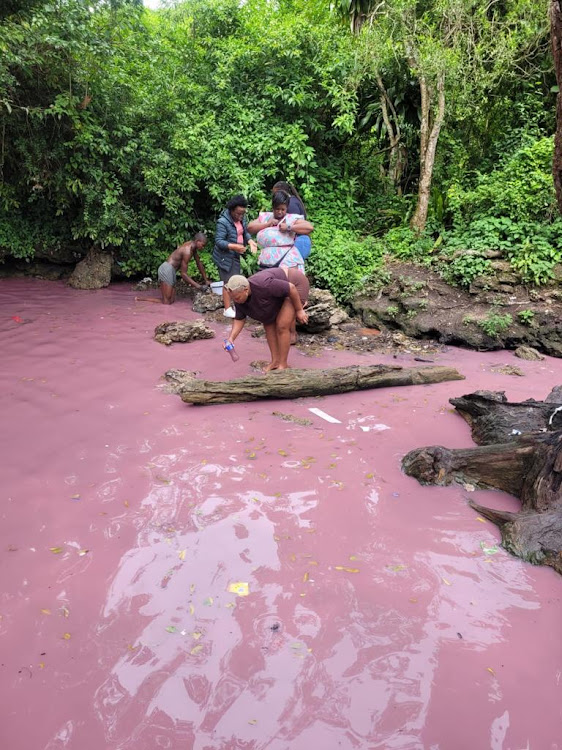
(216, 287)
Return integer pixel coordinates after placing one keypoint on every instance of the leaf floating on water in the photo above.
(171, 629)
(396, 568)
(488, 550)
(197, 634)
(181, 554)
(191, 609)
(204, 461)
(347, 570)
(305, 577)
(239, 587)
(251, 455)
(446, 582)
(192, 588)
(369, 476)
(67, 636)
(253, 721)
(296, 645)
(413, 600)
(230, 605)
(41, 665)
(196, 649)
(208, 602)
(490, 670)
(55, 550)
(75, 497)
(282, 452)
(353, 557)
(479, 518)
(65, 611)
(126, 503)
(83, 552)
(163, 479)
(45, 611)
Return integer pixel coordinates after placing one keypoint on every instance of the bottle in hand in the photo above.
(229, 346)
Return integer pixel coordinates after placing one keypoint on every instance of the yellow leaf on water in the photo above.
(446, 582)
(230, 605)
(253, 721)
(197, 635)
(251, 455)
(56, 550)
(490, 670)
(67, 636)
(482, 520)
(396, 568)
(181, 554)
(192, 588)
(353, 557)
(65, 611)
(312, 562)
(369, 476)
(126, 503)
(75, 497)
(305, 577)
(347, 570)
(41, 665)
(163, 479)
(282, 452)
(413, 600)
(196, 649)
(239, 587)
(191, 609)
(46, 611)
(204, 461)
(292, 558)
(83, 552)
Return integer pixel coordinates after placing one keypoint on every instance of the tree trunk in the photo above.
(429, 136)
(527, 465)
(298, 383)
(396, 158)
(556, 40)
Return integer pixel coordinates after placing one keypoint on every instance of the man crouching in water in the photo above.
(276, 298)
(179, 259)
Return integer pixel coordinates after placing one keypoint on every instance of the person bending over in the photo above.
(276, 298)
(179, 260)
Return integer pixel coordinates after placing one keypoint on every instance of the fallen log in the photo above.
(526, 461)
(299, 383)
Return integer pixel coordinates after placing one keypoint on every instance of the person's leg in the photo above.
(167, 291)
(226, 298)
(298, 278)
(271, 337)
(285, 319)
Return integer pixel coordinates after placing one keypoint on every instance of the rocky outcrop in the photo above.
(323, 312)
(491, 314)
(93, 272)
(182, 332)
(204, 302)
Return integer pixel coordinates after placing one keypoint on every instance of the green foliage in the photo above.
(526, 317)
(494, 324)
(463, 269)
(404, 244)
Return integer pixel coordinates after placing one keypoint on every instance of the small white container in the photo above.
(216, 287)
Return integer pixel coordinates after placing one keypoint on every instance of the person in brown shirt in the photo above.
(276, 298)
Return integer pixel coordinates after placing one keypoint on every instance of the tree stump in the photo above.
(520, 452)
(298, 383)
(168, 333)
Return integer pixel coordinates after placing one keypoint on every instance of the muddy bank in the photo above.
(494, 313)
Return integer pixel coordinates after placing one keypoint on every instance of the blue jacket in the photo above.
(226, 234)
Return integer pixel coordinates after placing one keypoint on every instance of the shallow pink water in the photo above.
(128, 638)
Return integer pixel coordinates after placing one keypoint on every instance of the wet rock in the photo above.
(182, 332)
(93, 272)
(527, 352)
(323, 312)
(204, 302)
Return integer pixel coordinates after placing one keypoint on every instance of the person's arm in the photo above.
(237, 326)
(201, 267)
(301, 315)
(300, 226)
(256, 225)
(183, 271)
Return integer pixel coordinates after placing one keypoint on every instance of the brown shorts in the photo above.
(298, 278)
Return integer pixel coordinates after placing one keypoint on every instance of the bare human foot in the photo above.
(270, 366)
(293, 339)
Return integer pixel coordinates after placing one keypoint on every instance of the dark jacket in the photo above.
(225, 235)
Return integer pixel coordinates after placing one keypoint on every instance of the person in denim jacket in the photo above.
(231, 238)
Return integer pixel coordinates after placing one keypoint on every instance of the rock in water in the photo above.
(527, 352)
(205, 302)
(93, 272)
(176, 331)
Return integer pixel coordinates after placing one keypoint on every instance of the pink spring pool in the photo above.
(216, 578)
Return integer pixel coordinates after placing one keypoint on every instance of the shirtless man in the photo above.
(179, 260)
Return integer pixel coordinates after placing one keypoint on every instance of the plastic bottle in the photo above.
(229, 346)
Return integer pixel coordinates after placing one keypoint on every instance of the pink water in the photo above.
(126, 515)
